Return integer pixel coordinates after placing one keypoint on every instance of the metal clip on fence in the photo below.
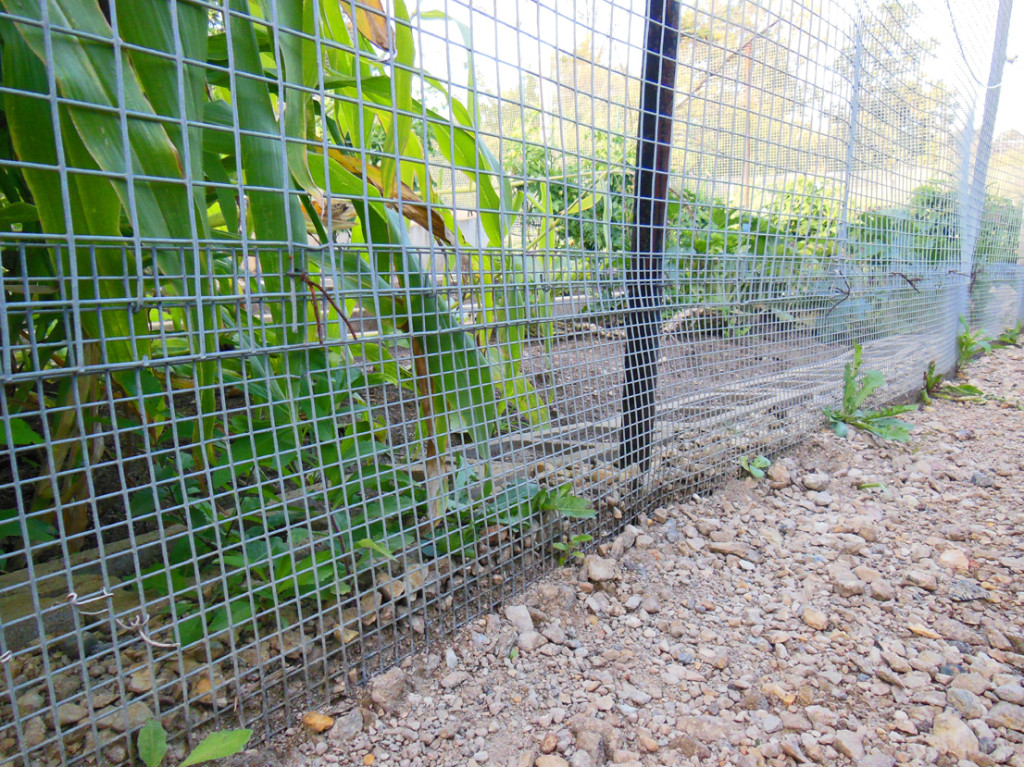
(138, 624)
(73, 600)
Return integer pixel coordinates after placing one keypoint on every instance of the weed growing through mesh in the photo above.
(152, 745)
(966, 392)
(756, 466)
(932, 383)
(882, 423)
(571, 549)
(1011, 336)
(970, 344)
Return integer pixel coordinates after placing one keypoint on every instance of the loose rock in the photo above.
(388, 689)
(814, 618)
(950, 735)
(598, 569)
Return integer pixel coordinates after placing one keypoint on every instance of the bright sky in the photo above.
(1011, 105)
(511, 34)
(975, 26)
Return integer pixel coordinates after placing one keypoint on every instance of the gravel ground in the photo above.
(863, 605)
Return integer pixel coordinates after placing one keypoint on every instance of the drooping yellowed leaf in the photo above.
(371, 21)
(413, 207)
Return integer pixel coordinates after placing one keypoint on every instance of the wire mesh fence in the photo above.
(317, 316)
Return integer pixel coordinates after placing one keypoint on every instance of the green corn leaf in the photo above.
(213, 169)
(94, 205)
(298, 57)
(217, 45)
(19, 213)
(272, 208)
(86, 73)
(276, 213)
(400, 125)
(31, 126)
(219, 142)
(149, 25)
(455, 362)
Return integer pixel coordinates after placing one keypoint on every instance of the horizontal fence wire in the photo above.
(315, 314)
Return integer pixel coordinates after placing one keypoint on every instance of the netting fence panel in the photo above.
(316, 315)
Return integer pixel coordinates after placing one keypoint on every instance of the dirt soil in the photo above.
(863, 605)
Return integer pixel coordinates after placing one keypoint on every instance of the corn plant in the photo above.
(206, 136)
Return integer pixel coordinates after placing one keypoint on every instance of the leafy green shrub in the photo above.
(999, 232)
(584, 198)
(807, 212)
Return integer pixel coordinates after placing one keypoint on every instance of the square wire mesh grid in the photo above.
(317, 316)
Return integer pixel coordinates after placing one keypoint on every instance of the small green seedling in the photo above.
(756, 467)
(932, 383)
(872, 486)
(970, 344)
(152, 744)
(1011, 336)
(882, 423)
(571, 549)
(965, 392)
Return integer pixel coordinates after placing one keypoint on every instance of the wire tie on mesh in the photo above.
(138, 625)
(313, 288)
(74, 601)
(6, 657)
(844, 292)
(912, 281)
(975, 272)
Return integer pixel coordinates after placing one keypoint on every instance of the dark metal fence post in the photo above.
(644, 274)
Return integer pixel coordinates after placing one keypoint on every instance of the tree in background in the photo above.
(902, 116)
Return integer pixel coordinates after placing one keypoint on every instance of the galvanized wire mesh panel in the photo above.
(316, 315)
